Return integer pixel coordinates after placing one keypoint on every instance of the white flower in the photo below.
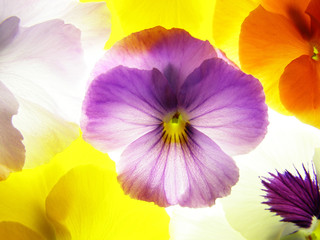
(44, 62)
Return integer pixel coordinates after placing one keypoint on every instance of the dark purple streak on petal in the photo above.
(226, 105)
(294, 198)
(123, 104)
(192, 171)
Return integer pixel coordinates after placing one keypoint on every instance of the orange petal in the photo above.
(314, 12)
(268, 43)
(314, 9)
(293, 10)
(283, 6)
(300, 89)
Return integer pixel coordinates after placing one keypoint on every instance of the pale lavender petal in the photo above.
(194, 173)
(92, 18)
(44, 64)
(174, 52)
(8, 31)
(226, 105)
(12, 151)
(33, 11)
(124, 104)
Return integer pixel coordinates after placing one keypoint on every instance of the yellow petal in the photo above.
(22, 198)
(128, 16)
(95, 207)
(23, 194)
(17, 231)
(227, 20)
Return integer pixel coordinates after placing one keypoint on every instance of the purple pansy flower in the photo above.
(180, 109)
(295, 198)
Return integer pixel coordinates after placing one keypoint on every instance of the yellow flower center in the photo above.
(315, 55)
(174, 128)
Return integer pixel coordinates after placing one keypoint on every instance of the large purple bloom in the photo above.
(295, 198)
(179, 110)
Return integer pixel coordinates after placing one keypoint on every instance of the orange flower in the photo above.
(279, 43)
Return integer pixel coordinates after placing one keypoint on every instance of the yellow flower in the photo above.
(128, 16)
(75, 196)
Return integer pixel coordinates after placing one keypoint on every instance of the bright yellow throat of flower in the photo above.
(315, 53)
(174, 129)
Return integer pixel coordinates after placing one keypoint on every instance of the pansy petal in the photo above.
(173, 52)
(192, 173)
(93, 19)
(130, 16)
(300, 89)
(23, 194)
(313, 10)
(36, 11)
(316, 161)
(201, 223)
(36, 72)
(96, 208)
(226, 105)
(12, 151)
(293, 10)
(288, 144)
(22, 198)
(16, 231)
(285, 6)
(44, 133)
(8, 31)
(227, 20)
(124, 104)
(267, 61)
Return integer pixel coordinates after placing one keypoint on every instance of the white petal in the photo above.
(8, 30)
(12, 152)
(287, 145)
(45, 134)
(201, 223)
(33, 11)
(44, 64)
(92, 18)
(316, 161)
(43, 67)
